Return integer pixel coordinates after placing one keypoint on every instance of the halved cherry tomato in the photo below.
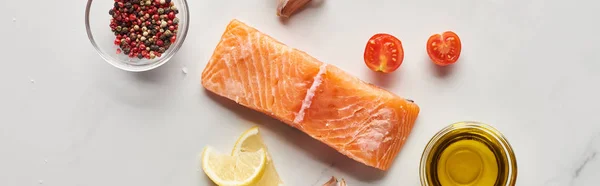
(444, 49)
(384, 53)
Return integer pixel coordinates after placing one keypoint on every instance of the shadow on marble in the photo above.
(384, 80)
(161, 74)
(442, 71)
(206, 181)
(319, 151)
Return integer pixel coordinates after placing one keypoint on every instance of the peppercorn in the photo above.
(140, 26)
(168, 33)
(171, 15)
(154, 47)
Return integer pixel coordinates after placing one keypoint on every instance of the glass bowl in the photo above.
(469, 130)
(97, 24)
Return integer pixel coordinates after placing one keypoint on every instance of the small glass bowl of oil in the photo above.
(468, 154)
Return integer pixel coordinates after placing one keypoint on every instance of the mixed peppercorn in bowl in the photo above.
(137, 35)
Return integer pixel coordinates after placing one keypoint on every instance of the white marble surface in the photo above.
(528, 67)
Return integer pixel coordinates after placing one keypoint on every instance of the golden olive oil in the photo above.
(468, 154)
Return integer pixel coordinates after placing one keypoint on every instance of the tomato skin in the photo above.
(383, 53)
(444, 49)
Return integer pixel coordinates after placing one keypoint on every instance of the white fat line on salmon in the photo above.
(310, 93)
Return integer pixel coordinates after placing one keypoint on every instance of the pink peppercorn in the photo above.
(171, 15)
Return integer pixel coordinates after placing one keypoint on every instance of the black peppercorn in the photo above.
(128, 4)
(152, 47)
(140, 56)
(167, 1)
(111, 12)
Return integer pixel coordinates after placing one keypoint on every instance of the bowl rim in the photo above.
(509, 152)
(141, 68)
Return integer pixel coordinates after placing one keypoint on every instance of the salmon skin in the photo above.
(358, 119)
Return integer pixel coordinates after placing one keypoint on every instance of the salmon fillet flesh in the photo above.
(358, 119)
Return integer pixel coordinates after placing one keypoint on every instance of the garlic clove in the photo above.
(331, 182)
(285, 8)
(334, 182)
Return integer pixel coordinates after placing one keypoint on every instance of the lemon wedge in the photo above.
(251, 141)
(245, 168)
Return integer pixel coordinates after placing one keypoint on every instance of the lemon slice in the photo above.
(251, 141)
(246, 168)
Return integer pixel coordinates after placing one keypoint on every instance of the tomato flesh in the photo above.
(383, 53)
(444, 49)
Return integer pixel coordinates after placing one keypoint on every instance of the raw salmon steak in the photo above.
(358, 119)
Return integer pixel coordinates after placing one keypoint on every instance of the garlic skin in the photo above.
(285, 8)
(334, 182)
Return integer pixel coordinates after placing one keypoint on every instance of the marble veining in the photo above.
(585, 169)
